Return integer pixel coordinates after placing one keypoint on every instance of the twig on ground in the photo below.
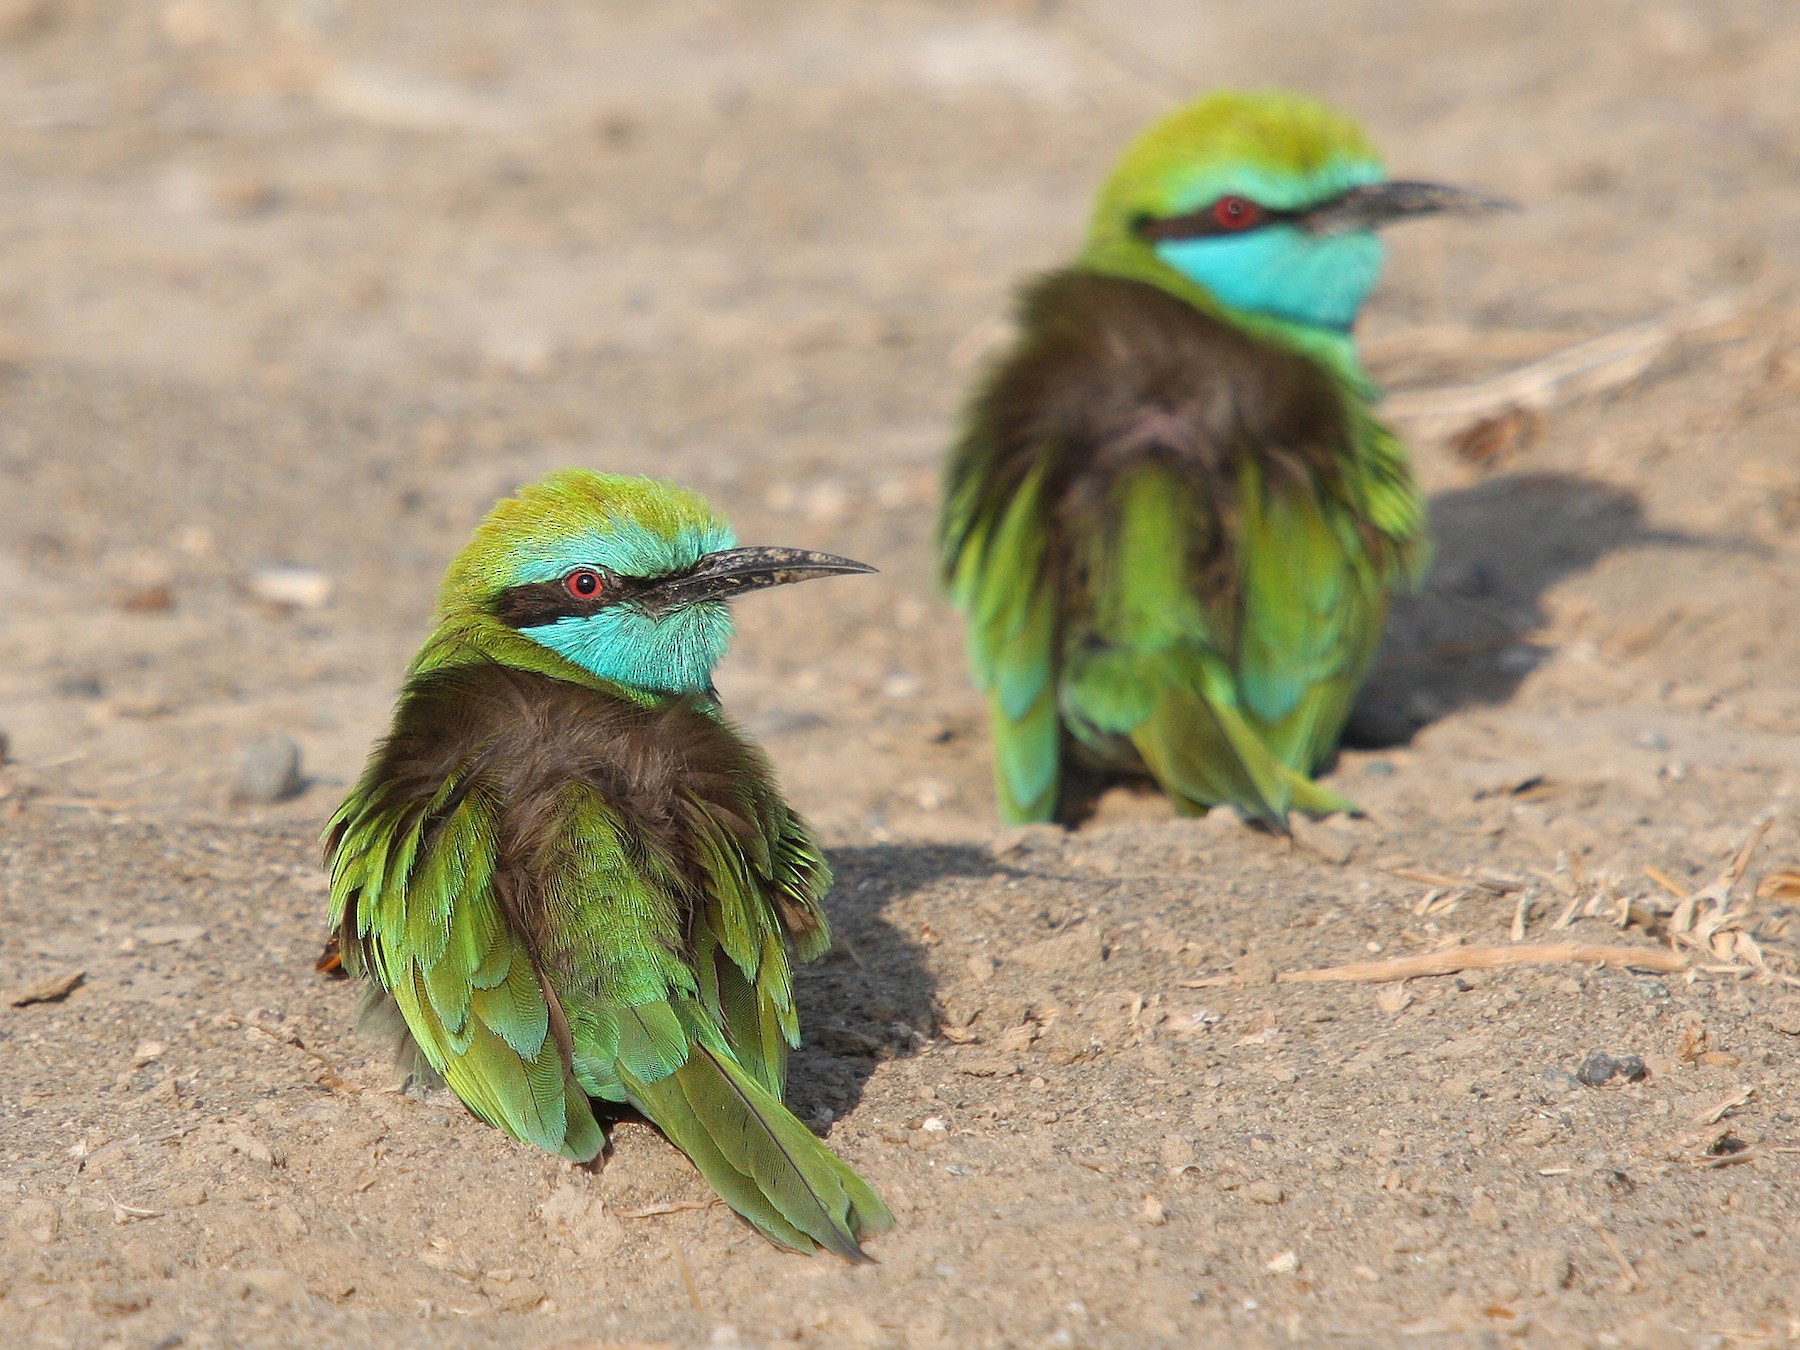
(1590, 367)
(332, 1078)
(1452, 959)
(666, 1207)
(95, 804)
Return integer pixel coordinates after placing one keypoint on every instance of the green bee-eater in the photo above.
(1173, 520)
(578, 883)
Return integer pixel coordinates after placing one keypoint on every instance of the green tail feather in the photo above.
(753, 1151)
(1204, 755)
(1315, 800)
(1027, 753)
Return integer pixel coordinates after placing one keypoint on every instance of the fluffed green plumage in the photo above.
(1173, 520)
(578, 892)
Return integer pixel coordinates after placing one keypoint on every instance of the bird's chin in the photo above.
(669, 651)
(1284, 273)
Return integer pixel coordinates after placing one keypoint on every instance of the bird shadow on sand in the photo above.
(1500, 546)
(870, 998)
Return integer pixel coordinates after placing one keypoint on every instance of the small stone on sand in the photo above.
(268, 772)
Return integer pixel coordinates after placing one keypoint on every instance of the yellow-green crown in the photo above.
(1279, 149)
(637, 527)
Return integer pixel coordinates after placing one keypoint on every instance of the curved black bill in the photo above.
(1376, 204)
(732, 571)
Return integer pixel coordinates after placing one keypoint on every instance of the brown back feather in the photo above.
(521, 738)
(1109, 373)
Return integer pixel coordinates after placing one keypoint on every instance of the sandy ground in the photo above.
(308, 283)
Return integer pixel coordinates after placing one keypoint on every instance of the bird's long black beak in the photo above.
(1377, 204)
(732, 571)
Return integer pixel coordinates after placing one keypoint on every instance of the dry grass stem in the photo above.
(1567, 917)
(1724, 1108)
(1705, 923)
(1781, 885)
(1628, 1280)
(123, 1213)
(1747, 1155)
(1493, 885)
(687, 1278)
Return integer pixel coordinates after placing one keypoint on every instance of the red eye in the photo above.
(584, 583)
(1236, 213)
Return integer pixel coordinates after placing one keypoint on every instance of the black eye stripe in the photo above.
(536, 603)
(1205, 222)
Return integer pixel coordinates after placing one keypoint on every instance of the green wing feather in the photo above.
(998, 576)
(764, 1162)
(1153, 663)
(1317, 572)
(1135, 588)
(1233, 698)
(614, 1001)
(429, 928)
(701, 1049)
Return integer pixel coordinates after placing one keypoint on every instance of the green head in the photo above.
(627, 578)
(1266, 202)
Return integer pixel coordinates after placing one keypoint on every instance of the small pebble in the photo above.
(80, 686)
(1600, 1067)
(50, 989)
(1785, 1017)
(268, 772)
(773, 722)
(1474, 579)
(901, 685)
(1596, 1069)
(291, 587)
(1632, 1069)
(153, 599)
(1560, 1081)
(932, 794)
(1264, 1193)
